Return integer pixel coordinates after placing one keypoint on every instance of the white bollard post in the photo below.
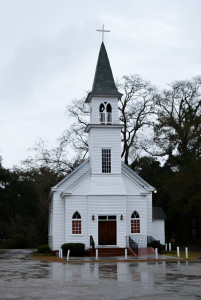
(178, 252)
(96, 254)
(126, 254)
(61, 253)
(186, 252)
(156, 253)
(68, 254)
(165, 246)
(169, 246)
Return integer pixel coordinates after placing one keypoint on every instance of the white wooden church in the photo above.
(103, 198)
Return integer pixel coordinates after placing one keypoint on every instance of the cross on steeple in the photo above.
(103, 31)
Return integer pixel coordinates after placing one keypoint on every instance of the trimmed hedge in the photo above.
(76, 249)
(44, 249)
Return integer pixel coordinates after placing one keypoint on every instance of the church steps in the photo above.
(121, 252)
(108, 252)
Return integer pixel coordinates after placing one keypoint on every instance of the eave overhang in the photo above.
(64, 194)
(93, 95)
(89, 126)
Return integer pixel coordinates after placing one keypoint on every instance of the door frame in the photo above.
(107, 218)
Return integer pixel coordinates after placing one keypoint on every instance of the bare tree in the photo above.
(75, 137)
(136, 113)
(59, 159)
(136, 109)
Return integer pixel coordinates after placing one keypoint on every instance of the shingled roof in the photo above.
(158, 213)
(103, 80)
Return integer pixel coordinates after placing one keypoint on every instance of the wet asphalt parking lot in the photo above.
(22, 277)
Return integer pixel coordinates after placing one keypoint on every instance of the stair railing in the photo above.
(132, 245)
(92, 244)
(151, 239)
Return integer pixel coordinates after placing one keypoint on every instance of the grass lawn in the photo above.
(191, 254)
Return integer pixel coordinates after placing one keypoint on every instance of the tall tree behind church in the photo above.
(178, 128)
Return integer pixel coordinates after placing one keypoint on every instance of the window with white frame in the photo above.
(135, 222)
(106, 160)
(76, 223)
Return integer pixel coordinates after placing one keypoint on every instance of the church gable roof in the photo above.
(128, 171)
(80, 187)
(103, 80)
(69, 183)
(73, 177)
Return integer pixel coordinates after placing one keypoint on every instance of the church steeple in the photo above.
(103, 80)
(104, 129)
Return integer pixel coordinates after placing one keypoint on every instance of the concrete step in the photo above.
(121, 251)
(145, 251)
(108, 252)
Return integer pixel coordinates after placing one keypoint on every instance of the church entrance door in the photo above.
(107, 230)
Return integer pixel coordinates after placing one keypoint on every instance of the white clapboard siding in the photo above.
(149, 214)
(132, 187)
(158, 230)
(134, 176)
(106, 184)
(105, 138)
(108, 205)
(81, 187)
(139, 204)
(73, 177)
(50, 224)
(73, 204)
(95, 104)
(58, 221)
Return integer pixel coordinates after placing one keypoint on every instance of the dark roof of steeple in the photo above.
(103, 80)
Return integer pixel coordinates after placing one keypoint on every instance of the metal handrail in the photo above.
(132, 245)
(151, 239)
(92, 243)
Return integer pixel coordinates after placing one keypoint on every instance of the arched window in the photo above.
(135, 222)
(76, 223)
(105, 113)
(102, 113)
(109, 108)
(109, 113)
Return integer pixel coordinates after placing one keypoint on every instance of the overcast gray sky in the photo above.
(49, 50)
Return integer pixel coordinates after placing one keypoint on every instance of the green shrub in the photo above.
(44, 249)
(76, 249)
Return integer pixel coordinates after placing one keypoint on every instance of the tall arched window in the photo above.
(109, 113)
(105, 113)
(76, 223)
(135, 222)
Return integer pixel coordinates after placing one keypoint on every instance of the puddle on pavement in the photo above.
(25, 278)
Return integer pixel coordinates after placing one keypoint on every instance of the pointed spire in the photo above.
(103, 80)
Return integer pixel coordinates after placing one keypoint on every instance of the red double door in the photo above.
(107, 232)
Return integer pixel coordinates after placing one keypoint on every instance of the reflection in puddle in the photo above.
(21, 276)
(107, 271)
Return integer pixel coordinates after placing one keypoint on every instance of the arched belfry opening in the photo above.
(105, 113)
